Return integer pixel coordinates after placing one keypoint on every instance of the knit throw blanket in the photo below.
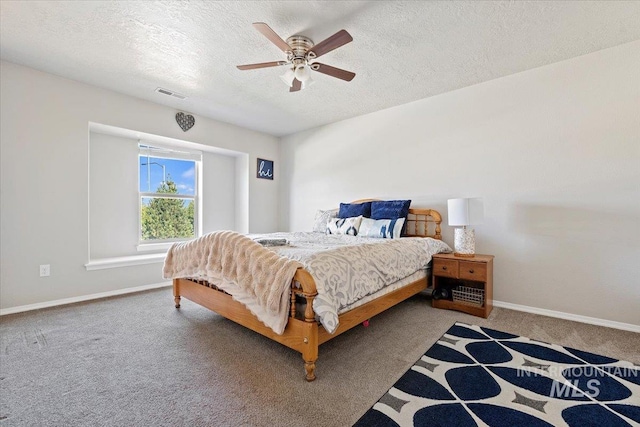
(253, 275)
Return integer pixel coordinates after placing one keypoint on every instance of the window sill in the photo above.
(148, 247)
(125, 261)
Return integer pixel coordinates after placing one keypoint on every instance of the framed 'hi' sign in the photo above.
(265, 169)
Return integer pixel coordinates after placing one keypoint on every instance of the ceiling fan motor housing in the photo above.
(300, 46)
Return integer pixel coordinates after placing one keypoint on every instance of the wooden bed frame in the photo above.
(303, 333)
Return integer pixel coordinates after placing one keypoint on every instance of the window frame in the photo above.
(161, 151)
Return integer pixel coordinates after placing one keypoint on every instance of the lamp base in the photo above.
(458, 254)
(464, 243)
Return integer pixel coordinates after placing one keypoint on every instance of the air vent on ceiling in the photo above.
(170, 93)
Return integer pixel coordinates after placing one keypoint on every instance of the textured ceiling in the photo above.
(401, 52)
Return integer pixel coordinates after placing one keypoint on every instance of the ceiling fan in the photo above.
(300, 52)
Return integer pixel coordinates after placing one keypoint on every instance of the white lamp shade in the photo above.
(307, 83)
(302, 73)
(288, 77)
(465, 211)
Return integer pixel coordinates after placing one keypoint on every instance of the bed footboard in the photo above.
(300, 334)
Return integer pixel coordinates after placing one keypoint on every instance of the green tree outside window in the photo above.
(165, 217)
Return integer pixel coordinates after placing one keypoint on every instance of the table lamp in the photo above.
(465, 212)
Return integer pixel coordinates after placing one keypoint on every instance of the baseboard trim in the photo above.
(568, 316)
(65, 301)
(518, 307)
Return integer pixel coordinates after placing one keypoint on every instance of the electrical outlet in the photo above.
(45, 270)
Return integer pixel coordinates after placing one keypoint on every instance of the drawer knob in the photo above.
(471, 271)
(444, 268)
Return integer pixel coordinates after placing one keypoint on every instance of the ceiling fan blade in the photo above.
(335, 41)
(297, 85)
(333, 71)
(272, 36)
(261, 65)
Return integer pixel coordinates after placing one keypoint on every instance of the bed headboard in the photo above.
(420, 222)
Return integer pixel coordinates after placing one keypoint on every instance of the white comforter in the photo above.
(348, 268)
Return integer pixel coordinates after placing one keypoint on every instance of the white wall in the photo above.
(554, 152)
(44, 186)
(113, 196)
(219, 195)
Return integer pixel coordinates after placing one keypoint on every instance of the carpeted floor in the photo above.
(136, 360)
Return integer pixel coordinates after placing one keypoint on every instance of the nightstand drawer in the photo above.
(473, 271)
(445, 268)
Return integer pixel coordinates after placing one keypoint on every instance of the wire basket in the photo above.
(471, 296)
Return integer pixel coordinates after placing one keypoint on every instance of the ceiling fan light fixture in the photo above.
(302, 72)
(307, 83)
(288, 77)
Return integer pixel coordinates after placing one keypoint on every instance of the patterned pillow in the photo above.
(322, 218)
(350, 210)
(381, 228)
(390, 209)
(344, 225)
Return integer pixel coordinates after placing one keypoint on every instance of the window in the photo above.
(168, 193)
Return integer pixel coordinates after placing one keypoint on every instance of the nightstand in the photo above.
(468, 280)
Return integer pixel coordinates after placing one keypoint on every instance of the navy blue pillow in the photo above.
(349, 210)
(390, 209)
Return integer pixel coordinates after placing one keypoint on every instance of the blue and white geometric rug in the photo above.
(476, 376)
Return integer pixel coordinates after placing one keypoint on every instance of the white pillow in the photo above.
(322, 218)
(381, 228)
(344, 225)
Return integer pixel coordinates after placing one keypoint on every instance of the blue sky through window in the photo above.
(153, 170)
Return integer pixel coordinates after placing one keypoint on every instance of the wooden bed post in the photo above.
(310, 329)
(310, 352)
(437, 218)
(176, 292)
